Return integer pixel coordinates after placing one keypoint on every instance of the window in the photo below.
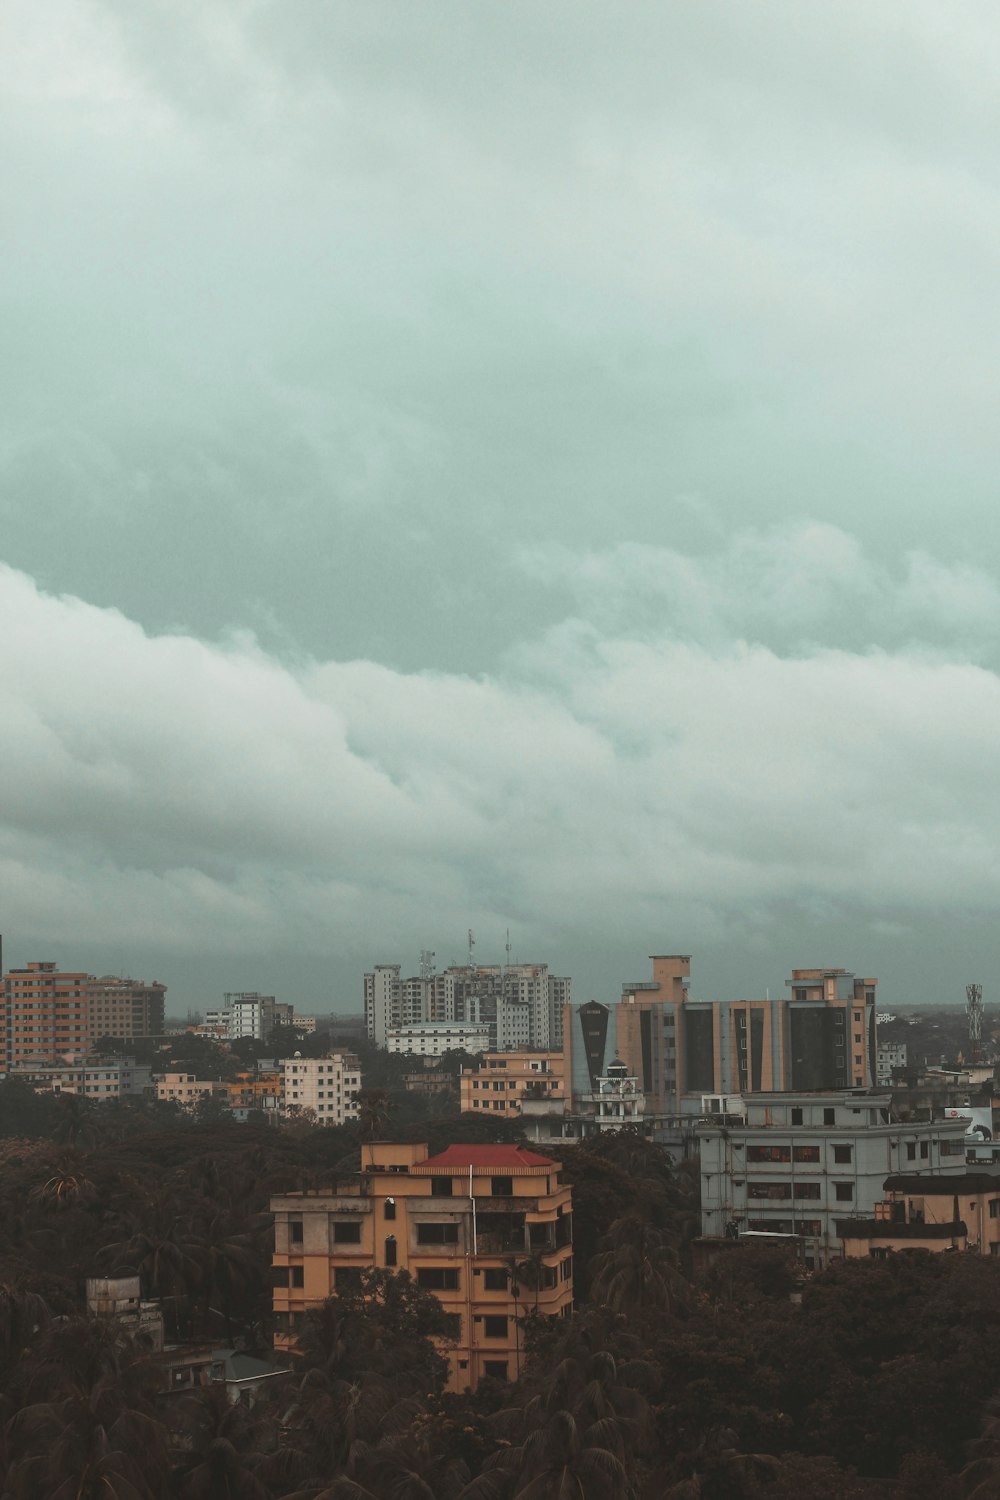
(438, 1278)
(496, 1369)
(807, 1190)
(566, 1269)
(502, 1187)
(844, 1191)
(774, 1190)
(495, 1280)
(495, 1327)
(924, 1150)
(796, 1116)
(437, 1234)
(347, 1278)
(442, 1187)
(769, 1153)
(295, 1231)
(829, 1117)
(279, 1274)
(390, 1249)
(843, 1155)
(389, 1209)
(995, 1208)
(806, 1153)
(346, 1234)
(298, 1276)
(911, 1151)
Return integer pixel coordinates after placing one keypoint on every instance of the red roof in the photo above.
(461, 1158)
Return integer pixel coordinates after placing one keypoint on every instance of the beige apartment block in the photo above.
(487, 1229)
(323, 1087)
(504, 1080)
(188, 1090)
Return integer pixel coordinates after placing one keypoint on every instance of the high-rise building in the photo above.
(466, 1224)
(125, 1008)
(249, 1014)
(46, 1016)
(323, 1086)
(819, 1036)
(521, 1005)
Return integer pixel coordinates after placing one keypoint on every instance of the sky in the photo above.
(519, 466)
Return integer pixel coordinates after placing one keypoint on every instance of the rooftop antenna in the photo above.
(974, 1015)
(472, 944)
(426, 963)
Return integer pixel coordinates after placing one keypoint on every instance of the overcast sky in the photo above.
(508, 465)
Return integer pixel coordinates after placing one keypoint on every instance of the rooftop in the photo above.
(460, 1158)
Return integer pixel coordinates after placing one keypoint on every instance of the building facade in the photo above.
(249, 1014)
(46, 1016)
(125, 1008)
(821, 1035)
(958, 1212)
(503, 1081)
(487, 1229)
(323, 1087)
(798, 1164)
(520, 1005)
(432, 1038)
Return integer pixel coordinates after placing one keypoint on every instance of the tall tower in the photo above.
(974, 1014)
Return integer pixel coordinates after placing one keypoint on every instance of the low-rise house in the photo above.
(960, 1212)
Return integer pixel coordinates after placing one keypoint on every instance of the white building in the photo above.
(91, 1080)
(249, 1014)
(305, 1024)
(800, 1162)
(520, 1004)
(325, 1086)
(431, 1038)
(889, 1055)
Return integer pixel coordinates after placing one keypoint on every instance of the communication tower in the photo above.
(974, 1014)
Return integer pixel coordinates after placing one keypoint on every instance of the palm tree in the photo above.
(636, 1269)
(556, 1462)
(374, 1110)
(225, 1443)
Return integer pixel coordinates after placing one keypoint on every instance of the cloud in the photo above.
(204, 797)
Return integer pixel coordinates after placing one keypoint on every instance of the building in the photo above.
(487, 1229)
(46, 1016)
(322, 1086)
(888, 1056)
(249, 1014)
(187, 1090)
(957, 1212)
(90, 1079)
(820, 1036)
(798, 1164)
(125, 1008)
(521, 1005)
(432, 1038)
(305, 1024)
(501, 1082)
(261, 1090)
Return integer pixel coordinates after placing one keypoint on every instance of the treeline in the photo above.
(869, 1380)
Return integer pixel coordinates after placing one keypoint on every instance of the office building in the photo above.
(796, 1164)
(487, 1229)
(125, 1008)
(821, 1035)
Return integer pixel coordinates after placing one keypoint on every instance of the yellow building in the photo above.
(487, 1229)
(926, 1213)
(503, 1080)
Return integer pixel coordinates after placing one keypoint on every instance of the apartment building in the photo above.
(188, 1090)
(821, 1035)
(487, 1229)
(261, 1089)
(90, 1079)
(889, 1055)
(432, 1038)
(798, 1164)
(125, 1008)
(958, 1212)
(502, 1082)
(46, 1016)
(322, 1086)
(520, 1005)
(249, 1014)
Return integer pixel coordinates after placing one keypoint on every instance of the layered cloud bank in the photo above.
(636, 781)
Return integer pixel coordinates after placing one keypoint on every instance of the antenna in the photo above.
(472, 944)
(974, 1015)
(508, 947)
(426, 964)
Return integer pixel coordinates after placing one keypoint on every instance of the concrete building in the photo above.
(305, 1024)
(820, 1036)
(797, 1164)
(91, 1079)
(503, 1081)
(432, 1038)
(125, 1008)
(261, 1090)
(323, 1087)
(958, 1212)
(187, 1090)
(487, 1229)
(46, 1016)
(249, 1014)
(521, 1005)
(889, 1055)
